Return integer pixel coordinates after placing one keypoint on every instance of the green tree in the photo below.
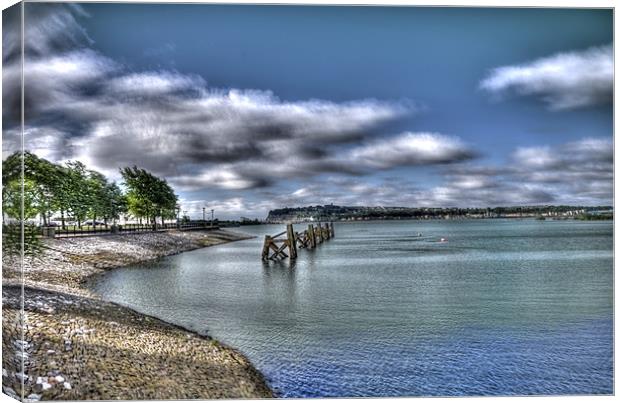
(43, 176)
(96, 186)
(12, 197)
(20, 203)
(114, 202)
(148, 196)
(75, 186)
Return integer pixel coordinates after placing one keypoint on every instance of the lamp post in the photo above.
(212, 217)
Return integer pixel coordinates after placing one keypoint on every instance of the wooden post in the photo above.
(320, 231)
(292, 244)
(326, 230)
(266, 247)
(311, 236)
(331, 225)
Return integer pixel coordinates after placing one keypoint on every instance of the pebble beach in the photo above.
(75, 346)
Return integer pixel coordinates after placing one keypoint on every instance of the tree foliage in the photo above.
(78, 193)
(148, 196)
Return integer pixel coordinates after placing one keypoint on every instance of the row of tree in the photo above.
(77, 193)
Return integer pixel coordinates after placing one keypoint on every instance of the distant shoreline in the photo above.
(330, 212)
(532, 218)
(116, 345)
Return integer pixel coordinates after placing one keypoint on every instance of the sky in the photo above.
(244, 109)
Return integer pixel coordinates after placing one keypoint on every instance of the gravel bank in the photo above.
(78, 347)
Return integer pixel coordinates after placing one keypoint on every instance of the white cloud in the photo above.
(199, 137)
(94, 109)
(44, 141)
(153, 83)
(411, 149)
(219, 177)
(53, 83)
(564, 81)
(255, 134)
(50, 28)
(535, 157)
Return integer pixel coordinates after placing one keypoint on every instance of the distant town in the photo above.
(357, 213)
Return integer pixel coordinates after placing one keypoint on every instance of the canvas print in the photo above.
(216, 201)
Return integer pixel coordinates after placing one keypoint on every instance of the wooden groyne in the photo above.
(275, 245)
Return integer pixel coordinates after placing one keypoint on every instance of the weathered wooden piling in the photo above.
(266, 245)
(294, 240)
(311, 236)
(303, 239)
(270, 245)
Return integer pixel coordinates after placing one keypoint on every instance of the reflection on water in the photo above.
(502, 307)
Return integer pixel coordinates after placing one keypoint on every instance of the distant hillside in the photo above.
(359, 213)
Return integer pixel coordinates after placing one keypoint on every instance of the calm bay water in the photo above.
(504, 307)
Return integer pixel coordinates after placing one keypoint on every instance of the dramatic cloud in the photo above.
(56, 56)
(229, 139)
(46, 142)
(564, 81)
(580, 171)
(153, 84)
(51, 28)
(253, 151)
(410, 149)
(198, 137)
(171, 123)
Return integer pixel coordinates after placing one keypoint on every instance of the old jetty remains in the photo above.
(275, 245)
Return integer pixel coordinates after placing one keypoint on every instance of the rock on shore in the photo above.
(77, 347)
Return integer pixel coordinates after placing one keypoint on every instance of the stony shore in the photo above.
(78, 347)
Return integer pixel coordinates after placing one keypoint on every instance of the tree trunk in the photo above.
(62, 218)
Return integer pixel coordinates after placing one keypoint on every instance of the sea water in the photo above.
(502, 307)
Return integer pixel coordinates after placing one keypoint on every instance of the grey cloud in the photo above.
(410, 149)
(176, 126)
(564, 81)
(156, 83)
(49, 28)
(579, 172)
(199, 137)
(574, 173)
(55, 55)
(587, 158)
(260, 136)
(53, 84)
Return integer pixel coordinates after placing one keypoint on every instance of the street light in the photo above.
(212, 217)
(203, 214)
